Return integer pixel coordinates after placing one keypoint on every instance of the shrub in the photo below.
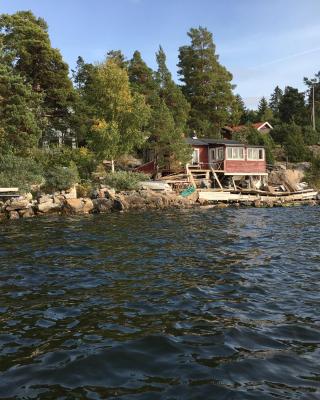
(63, 155)
(123, 180)
(313, 175)
(61, 178)
(20, 172)
(85, 189)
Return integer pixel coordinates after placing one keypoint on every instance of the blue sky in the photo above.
(263, 43)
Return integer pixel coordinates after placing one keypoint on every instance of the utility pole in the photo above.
(313, 110)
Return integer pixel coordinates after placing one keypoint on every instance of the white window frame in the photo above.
(253, 154)
(216, 154)
(235, 153)
(195, 156)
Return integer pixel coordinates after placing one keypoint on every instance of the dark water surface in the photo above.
(210, 304)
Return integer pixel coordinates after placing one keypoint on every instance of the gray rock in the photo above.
(103, 205)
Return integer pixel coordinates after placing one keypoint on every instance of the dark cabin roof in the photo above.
(224, 142)
(207, 141)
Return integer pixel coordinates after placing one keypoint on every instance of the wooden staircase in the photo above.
(196, 175)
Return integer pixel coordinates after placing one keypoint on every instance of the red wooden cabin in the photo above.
(229, 157)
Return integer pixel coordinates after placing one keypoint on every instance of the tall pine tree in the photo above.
(39, 63)
(275, 100)
(264, 112)
(292, 107)
(207, 84)
(21, 121)
(171, 93)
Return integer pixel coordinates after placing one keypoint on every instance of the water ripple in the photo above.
(189, 304)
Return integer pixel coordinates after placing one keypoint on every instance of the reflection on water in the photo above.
(211, 304)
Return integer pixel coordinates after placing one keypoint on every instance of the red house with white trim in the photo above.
(229, 157)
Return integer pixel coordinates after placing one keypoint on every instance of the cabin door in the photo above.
(211, 156)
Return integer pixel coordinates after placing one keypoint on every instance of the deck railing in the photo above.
(216, 165)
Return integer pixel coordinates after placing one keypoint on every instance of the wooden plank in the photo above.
(12, 189)
(228, 196)
(216, 178)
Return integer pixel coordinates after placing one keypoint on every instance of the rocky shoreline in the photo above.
(106, 200)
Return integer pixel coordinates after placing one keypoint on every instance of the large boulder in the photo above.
(71, 193)
(73, 206)
(26, 213)
(17, 204)
(48, 207)
(119, 203)
(134, 200)
(88, 206)
(78, 206)
(58, 199)
(45, 198)
(102, 205)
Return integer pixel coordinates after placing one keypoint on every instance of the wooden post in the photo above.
(112, 165)
(216, 178)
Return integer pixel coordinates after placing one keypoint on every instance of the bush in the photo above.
(63, 156)
(313, 175)
(85, 189)
(20, 172)
(61, 178)
(123, 180)
(310, 136)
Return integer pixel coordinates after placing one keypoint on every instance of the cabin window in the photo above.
(217, 154)
(235, 153)
(195, 156)
(255, 154)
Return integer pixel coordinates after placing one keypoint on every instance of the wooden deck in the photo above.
(213, 195)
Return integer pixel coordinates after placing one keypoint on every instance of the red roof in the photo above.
(256, 125)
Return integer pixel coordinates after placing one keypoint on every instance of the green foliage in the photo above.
(292, 107)
(238, 111)
(264, 112)
(296, 150)
(207, 84)
(85, 189)
(123, 180)
(313, 175)
(291, 137)
(117, 57)
(26, 38)
(171, 93)
(20, 117)
(275, 101)
(20, 172)
(61, 178)
(310, 136)
(142, 78)
(119, 116)
(63, 156)
(167, 141)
